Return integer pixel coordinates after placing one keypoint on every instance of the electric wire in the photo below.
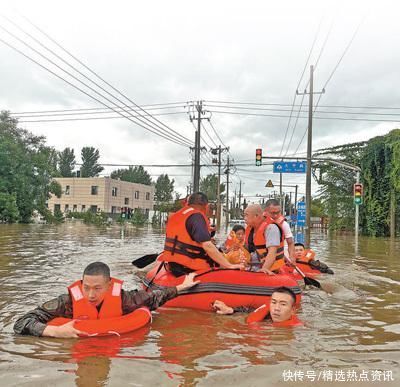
(103, 80)
(153, 130)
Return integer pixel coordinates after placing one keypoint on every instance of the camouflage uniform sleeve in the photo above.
(153, 299)
(243, 309)
(34, 322)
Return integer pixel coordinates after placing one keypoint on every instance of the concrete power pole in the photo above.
(309, 153)
(227, 193)
(196, 174)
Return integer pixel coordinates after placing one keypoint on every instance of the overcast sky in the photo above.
(158, 52)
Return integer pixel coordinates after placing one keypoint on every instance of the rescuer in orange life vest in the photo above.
(96, 296)
(188, 246)
(264, 238)
(281, 310)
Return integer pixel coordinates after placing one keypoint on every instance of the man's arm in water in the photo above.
(34, 322)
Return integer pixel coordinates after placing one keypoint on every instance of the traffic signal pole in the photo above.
(357, 209)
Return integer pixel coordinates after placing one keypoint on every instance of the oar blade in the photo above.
(312, 282)
(145, 260)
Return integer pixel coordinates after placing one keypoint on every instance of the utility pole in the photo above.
(240, 197)
(227, 193)
(196, 175)
(197, 146)
(280, 189)
(219, 151)
(309, 152)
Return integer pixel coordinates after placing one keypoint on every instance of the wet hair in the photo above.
(97, 268)
(198, 198)
(299, 244)
(272, 202)
(284, 289)
(238, 227)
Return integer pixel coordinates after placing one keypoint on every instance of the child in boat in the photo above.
(233, 248)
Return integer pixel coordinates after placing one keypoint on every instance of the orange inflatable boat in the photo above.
(234, 287)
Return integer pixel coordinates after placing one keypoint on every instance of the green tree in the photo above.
(90, 157)
(164, 189)
(134, 175)
(27, 167)
(209, 184)
(66, 162)
(8, 208)
(379, 160)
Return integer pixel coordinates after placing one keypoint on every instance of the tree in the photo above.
(208, 185)
(66, 162)
(90, 157)
(134, 175)
(379, 159)
(27, 167)
(164, 189)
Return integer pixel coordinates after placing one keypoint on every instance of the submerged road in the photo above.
(351, 336)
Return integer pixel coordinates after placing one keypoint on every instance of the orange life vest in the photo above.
(307, 256)
(111, 306)
(241, 255)
(259, 243)
(261, 313)
(179, 247)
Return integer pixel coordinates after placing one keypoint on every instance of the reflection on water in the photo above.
(357, 327)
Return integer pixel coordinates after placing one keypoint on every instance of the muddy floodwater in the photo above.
(351, 334)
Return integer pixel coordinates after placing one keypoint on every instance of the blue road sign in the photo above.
(299, 238)
(290, 166)
(301, 214)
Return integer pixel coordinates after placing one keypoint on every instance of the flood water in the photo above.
(351, 335)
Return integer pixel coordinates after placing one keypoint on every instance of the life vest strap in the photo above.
(174, 246)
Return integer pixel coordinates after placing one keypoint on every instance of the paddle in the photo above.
(145, 260)
(307, 280)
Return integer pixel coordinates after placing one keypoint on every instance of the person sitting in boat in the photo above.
(234, 249)
(281, 309)
(285, 227)
(264, 238)
(188, 246)
(96, 296)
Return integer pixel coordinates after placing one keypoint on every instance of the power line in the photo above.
(301, 77)
(92, 118)
(289, 105)
(107, 83)
(314, 117)
(331, 75)
(147, 127)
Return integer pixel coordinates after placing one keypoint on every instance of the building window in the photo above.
(114, 191)
(83, 208)
(113, 209)
(66, 208)
(67, 190)
(136, 194)
(93, 209)
(57, 207)
(75, 208)
(147, 195)
(95, 189)
(127, 201)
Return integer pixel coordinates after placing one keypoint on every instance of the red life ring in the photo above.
(109, 326)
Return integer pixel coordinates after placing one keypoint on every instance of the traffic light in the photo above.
(258, 157)
(358, 193)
